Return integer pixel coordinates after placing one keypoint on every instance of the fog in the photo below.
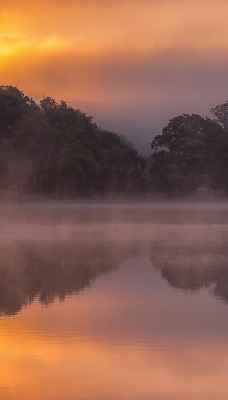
(111, 300)
(172, 226)
(50, 251)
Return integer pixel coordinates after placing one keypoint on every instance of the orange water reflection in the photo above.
(36, 364)
(72, 350)
(138, 313)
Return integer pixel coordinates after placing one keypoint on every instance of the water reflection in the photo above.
(51, 270)
(51, 253)
(123, 335)
(131, 336)
(195, 260)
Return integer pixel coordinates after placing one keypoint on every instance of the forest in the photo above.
(52, 150)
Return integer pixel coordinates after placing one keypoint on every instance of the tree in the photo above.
(13, 104)
(53, 149)
(221, 114)
(179, 157)
(219, 148)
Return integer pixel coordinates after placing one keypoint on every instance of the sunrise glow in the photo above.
(154, 58)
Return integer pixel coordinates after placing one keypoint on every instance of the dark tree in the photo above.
(221, 114)
(52, 149)
(179, 157)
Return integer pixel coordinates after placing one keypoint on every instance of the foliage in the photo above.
(52, 149)
(221, 114)
(191, 152)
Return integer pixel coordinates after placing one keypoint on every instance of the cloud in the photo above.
(129, 92)
(117, 75)
(110, 56)
(98, 23)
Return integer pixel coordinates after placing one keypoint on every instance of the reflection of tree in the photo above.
(52, 270)
(194, 266)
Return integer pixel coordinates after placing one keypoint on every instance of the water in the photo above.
(107, 302)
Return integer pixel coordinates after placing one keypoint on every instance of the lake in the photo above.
(114, 301)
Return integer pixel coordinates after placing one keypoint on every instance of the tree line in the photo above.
(54, 150)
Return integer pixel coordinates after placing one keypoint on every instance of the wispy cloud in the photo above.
(107, 54)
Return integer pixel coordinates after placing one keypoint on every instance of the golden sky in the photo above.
(133, 64)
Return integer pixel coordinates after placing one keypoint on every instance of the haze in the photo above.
(111, 301)
(132, 65)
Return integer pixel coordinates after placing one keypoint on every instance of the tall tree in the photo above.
(221, 114)
(178, 160)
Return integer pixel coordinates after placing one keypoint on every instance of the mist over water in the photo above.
(117, 301)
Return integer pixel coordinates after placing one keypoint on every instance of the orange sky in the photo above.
(132, 64)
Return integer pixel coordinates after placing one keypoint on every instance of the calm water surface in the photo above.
(107, 302)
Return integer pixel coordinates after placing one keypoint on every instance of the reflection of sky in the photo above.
(130, 336)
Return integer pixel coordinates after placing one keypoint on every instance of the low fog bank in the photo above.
(140, 223)
(50, 251)
(105, 212)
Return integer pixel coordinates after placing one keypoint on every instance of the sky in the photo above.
(131, 64)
